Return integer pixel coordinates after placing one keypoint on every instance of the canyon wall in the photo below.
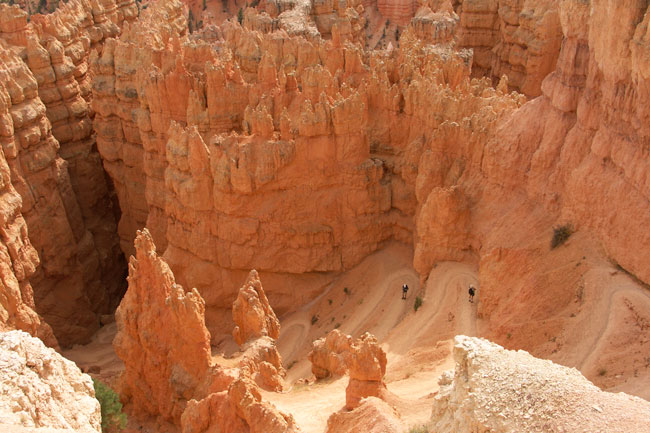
(297, 157)
(54, 165)
(517, 38)
(269, 151)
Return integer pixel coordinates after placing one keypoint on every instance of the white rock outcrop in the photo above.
(41, 389)
(503, 391)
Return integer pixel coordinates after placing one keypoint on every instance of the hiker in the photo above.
(472, 292)
(405, 289)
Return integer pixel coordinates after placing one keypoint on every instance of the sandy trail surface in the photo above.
(418, 343)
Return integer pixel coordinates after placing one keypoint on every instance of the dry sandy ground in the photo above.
(418, 344)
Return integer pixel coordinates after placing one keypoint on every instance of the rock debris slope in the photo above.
(499, 390)
(41, 389)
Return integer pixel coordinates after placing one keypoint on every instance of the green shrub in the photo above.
(240, 15)
(112, 417)
(560, 235)
(314, 319)
(417, 304)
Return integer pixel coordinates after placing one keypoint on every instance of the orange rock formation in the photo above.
(252, 314)
(164, 372)
(54, 166)
(330, 355)
(173, 375)
(367, 368)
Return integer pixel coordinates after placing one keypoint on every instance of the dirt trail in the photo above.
(416, 358)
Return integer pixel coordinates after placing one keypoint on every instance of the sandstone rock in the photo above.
(163, 370)
(520, 39)
(372, 416)
(41, 389)
(261, 361)
(240, 409)
(330, 355)
(252, 314)
(57, 171)
(500, 390)
(367, 367)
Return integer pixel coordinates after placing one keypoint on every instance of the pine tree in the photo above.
(205, 4)
(240, 15)
(190, 22)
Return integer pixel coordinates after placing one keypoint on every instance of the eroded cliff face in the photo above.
(55, 167)
(19, 258)
(297, 156)
(520, 39)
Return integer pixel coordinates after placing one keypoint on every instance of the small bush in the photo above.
(417, 304)
(314, 319)
(338, 324)
(560, 235)
(329, 301)
(346, 290)
(602, 372)
(112, 417)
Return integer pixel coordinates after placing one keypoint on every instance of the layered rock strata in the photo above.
(40, 389)
(267, 141)
(18, 258)
(56, 169)
(498, 390)
(520, 39)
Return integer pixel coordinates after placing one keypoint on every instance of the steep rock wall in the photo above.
(268, 151)
(56, 169)
(517, 38)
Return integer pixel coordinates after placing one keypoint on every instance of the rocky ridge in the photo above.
(40, 389)
(498, 390)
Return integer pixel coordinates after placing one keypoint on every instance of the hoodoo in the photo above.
(213, 206)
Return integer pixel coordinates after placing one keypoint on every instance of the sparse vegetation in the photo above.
(190, 22)
(561, 234)
(419, 429)
(417, 304)
(314, 319)
(113, 420)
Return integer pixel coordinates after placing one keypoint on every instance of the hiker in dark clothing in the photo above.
(472, 292)
(405, 289)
